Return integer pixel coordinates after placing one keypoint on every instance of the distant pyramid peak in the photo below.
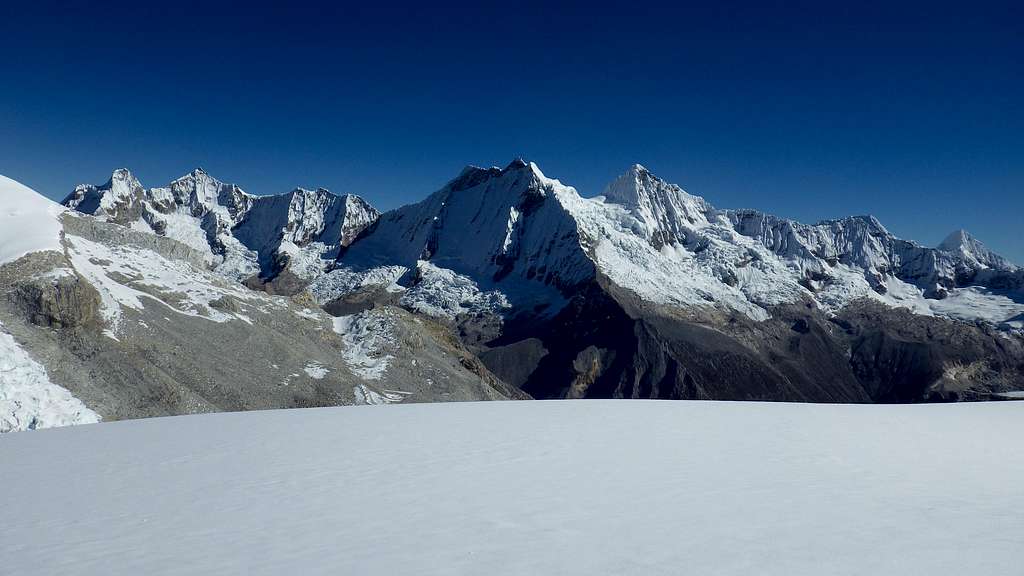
(517, 164)
(957, 239)
(638, 187)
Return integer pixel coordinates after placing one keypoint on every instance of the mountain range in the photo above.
(198, 296)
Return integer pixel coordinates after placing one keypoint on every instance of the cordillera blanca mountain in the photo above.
(127, 301)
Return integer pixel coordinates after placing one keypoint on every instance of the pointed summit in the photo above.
(197, 174)
(122, 174)
(114, 199)
(517, 164)
(638, 187)
(957, 240)
(974, 251)
(665, 211)
(123, 184)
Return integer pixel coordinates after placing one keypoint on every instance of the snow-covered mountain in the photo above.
(500, 227)
(514, 229)
(543, 261)
(533, 242)
(105, 317)
(503, 282)
(242, 235)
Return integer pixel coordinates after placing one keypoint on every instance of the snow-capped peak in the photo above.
(666, 212)
(240, 233)
(973, 250)
(115, 199)
(956, 240)
(496, 225)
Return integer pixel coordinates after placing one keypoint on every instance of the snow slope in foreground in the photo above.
(570, 487)
(28, 221)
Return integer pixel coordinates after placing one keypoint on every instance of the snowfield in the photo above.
(581, 487)
(28, 221)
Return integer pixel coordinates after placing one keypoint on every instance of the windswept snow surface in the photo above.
(581, 487)
(28, 399)
(28, 221)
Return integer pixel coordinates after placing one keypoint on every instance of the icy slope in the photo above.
(28, 399)
(583, 487)
(524, 239)
(28, 221)
(773, 260)
(500, 227)
(240, 234)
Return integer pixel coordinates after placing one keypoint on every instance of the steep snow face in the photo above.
(973, 252)
(303, 217)
(974, 263)
(672, 248)
(507, 229)
(747, 261)
(665, 213)
(241, 234)
(28, 399)
(630, 487)
(28, 221)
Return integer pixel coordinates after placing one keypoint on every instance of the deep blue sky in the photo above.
(912, 113)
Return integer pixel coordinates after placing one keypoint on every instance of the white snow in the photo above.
(309, 314)
(121, 273)
(28, 399)
(525, 488)
(365, 396)
(316, 371)
(28, 221)
(969, 304)
(368, 337)
(234, 230)
(442, 293)
(344, 280)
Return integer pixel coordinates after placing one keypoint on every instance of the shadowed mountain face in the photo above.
(658, 294)
(504, 283)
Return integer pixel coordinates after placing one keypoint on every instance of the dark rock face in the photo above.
(43, 289)
(62, 302)
(902, 357)
(606, 346)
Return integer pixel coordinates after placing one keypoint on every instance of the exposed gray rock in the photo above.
(276, 352)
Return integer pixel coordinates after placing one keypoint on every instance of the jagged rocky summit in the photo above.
(240, 235)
